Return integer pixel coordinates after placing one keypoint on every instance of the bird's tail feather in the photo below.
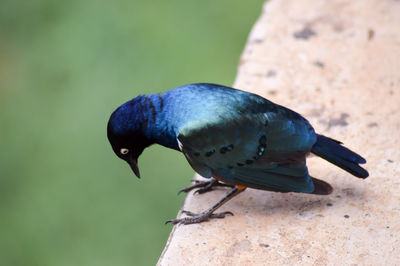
(333, 151)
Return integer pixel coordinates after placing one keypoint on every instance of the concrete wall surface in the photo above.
(337, 62)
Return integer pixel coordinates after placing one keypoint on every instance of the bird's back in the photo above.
(203, 101)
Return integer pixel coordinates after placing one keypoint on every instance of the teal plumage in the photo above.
(238, 137)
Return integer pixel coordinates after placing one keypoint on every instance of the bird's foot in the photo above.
(195, 218)
(205, 186)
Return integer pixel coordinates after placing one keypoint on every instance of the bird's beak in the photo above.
(133, 163)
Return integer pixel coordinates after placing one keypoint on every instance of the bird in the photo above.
(230, 137)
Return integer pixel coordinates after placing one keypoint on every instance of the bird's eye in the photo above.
(124, 151)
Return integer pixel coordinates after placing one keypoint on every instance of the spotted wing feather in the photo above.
(264, 150)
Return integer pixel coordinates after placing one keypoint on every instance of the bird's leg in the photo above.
(209, 213)
(204, 186)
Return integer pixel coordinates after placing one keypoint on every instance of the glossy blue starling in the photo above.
(233, 138)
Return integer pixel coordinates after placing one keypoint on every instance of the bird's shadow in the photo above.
(298, 203)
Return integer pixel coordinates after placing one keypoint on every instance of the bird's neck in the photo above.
(155, 125)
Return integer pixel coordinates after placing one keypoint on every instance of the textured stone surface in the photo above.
(338, 64)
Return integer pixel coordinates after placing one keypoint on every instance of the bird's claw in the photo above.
(197, 183)
(205, 186)
(194, 218)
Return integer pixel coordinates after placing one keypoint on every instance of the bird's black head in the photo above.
(126, 133)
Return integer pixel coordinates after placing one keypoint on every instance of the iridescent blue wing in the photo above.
(263, 150)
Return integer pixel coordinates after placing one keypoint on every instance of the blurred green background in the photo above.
(65, 198)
